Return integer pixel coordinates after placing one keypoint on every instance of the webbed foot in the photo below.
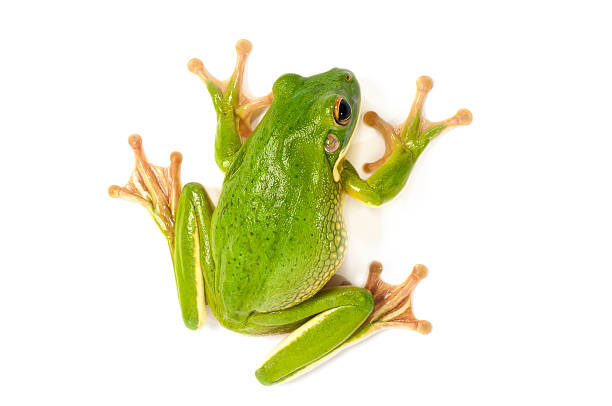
(392, 303)
(416, 131)
(157, 188)
(229, 94)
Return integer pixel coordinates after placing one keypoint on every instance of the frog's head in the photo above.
(325, 107)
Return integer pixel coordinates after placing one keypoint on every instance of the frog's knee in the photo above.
(196, 193)
(363, 299)
(193, 188)
(232, 320)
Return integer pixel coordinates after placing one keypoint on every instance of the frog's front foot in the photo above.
(228, 95)
(156, 188)
(416, 131)
(392, 303)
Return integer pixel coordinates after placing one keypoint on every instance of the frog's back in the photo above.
(278, 232)
(278, 229)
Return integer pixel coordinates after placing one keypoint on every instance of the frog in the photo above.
(264, 258)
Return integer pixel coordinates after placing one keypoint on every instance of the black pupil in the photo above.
(344, 110)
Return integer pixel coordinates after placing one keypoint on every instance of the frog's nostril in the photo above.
(347, 77)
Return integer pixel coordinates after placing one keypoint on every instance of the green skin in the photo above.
(277, 234)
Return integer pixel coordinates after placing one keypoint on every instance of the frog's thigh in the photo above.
(338, 312)
(193, 263)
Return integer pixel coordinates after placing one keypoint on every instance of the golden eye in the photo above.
(331, 144)
(342, 111)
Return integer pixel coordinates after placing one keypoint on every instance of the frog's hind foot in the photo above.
(246, 109)
(157, 188)
(392, 303)
(416, 131)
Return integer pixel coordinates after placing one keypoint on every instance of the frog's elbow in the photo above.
(223, 163)
(374, 201)
(369, 199)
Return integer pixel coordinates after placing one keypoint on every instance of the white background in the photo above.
(511, 214)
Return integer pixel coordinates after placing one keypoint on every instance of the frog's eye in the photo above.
(342, 111)
(331, 144)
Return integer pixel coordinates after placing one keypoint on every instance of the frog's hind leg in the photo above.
(335, 318)
(193, 260)
(235, 111)
(184, 218)
(392, 303)
(327, 320)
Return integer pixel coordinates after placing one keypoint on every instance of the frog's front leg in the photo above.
(184, 217)
(235, 111)
(403, 145)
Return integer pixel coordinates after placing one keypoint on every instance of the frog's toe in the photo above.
(155, 187)
(390, 135)
(196, 67)
(393, 303)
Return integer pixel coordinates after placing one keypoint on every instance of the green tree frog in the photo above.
(264, 257)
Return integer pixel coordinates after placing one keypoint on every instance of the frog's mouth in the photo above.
(344, 151)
